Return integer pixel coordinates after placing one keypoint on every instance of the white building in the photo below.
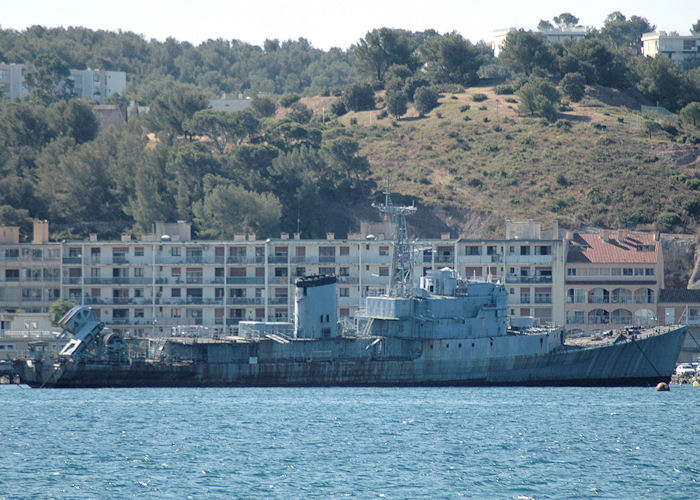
(95, 84)
(676, 47)
(165, 280)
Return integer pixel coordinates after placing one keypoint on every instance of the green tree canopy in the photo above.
(48, 79)
(544, 25)
(573, 85)
(380, 49)
(229, 209)
(58, 309)
(425, 100)
(691, 113)
(625, 33)
(695, 28)
(170, 111)
(396, 103)
(359, 97)
(524, 51)
(538, 97)
(565, 20)
(263, 106)
(450, 59)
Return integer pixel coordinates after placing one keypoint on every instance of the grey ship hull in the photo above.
(369, 362)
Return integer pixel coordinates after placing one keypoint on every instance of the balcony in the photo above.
(242, 259)
(278, 259)
(141, 280)
(444, 259)
(72, 281)
(241, 280)
(278, 280)
(245, 301)
(511, 278)
(326, 259)
(479, 259)
(72, 260)
(278, 300)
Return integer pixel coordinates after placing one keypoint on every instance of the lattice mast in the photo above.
(401, 262)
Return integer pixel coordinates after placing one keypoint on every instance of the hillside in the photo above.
(596, 165)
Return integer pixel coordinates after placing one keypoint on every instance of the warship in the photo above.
(436, 330)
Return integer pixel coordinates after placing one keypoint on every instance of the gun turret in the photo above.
(82, 323)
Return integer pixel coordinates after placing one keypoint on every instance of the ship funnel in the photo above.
(315, 307)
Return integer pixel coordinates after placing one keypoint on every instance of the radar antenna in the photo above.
(401, 261)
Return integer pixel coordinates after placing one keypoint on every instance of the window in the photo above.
(344, 250)
(383, 250)
(299, 272)
(138, 313)
(138, 292)
(344, 292)
(383, 271)
(491, 250)
(571, 271)
(524, 250)
(175, 313)
(649, 271)
(175, 272)
(473, 250)
(138, 272)
(638, 271)
(344, 271)
(176, 292)
(627, 271)
(12, 275)
(138, 252)
(175, 251)
(326, 270)
(545, 250)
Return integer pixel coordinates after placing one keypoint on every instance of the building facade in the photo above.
(165, 280)
(612, 278)
(94, 84)
(676, 47)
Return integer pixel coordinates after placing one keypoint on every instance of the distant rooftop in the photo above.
(609, 247)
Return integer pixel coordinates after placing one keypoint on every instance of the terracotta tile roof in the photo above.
(682, 295)
(612, 247)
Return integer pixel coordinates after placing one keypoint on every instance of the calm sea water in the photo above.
(350, 442)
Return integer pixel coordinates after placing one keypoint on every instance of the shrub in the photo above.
(359, 97)
(563, 124)
(668, 219)
(396, 101)
(482, 108)
(325, 92)
(465, 107)
(479, 97)
(512, 100)
(382, 114)
(538, 97)
(300, 113)
(425, 99)
(353, 120)
(288, 99)
(338, 108)
(573, 85)
(503, 89)
(475, 182)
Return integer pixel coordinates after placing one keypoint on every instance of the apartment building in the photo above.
(95, 84)
(166, 280)
(674, 46)
(612, 278)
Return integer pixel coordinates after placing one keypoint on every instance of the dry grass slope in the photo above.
(476, 163)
